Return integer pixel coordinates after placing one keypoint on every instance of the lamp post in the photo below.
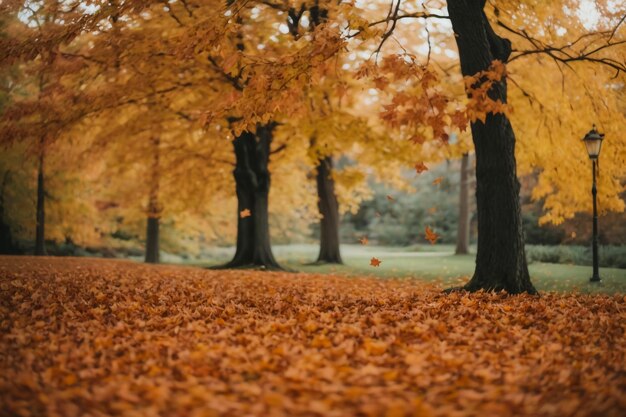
(593, 143)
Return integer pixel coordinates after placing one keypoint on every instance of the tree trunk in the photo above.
(500, 260)
(463, 235)
(152, 241)
(154, 208)
(329, 210)
(252, 180)
(7, 244)
(40, 244)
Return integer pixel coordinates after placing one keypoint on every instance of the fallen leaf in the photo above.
(99, 337)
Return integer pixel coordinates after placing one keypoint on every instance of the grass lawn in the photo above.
(435, 263)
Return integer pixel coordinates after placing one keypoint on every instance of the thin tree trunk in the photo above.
(329, 210)
(463, 235)
(154, 209)
(40, 244)
(152, 241)
(500, 260)
(252, 180)
(7, 244)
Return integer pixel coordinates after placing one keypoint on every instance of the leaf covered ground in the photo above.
(95, 337)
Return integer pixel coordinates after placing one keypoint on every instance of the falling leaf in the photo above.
(420, 167)
(375, 262)
(245, 213)
(390, 198)
(437, 180)
(431, 236)
(432, 210)
(364, 240)
(377, 214)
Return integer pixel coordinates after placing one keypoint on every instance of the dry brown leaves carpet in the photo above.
(94, 338)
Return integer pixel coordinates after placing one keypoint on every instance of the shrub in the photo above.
(609, 256)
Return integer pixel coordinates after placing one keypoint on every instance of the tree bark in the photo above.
(500, 260)
(463, 235)
(152, 241)
(8, 246)
(154, 208)
(252, 180)
(329, 210)
(40, 244)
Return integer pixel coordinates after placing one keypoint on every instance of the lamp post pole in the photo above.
(593, 143)
(594, 245)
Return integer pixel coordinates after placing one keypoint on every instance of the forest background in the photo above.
(107, 126)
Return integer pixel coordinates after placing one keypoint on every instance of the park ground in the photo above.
(430, 263)
(81, 336)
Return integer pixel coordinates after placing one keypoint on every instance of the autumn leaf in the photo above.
(381, 82)
(245, 213)
(417, 139)
(268, 344)
(374, 347)
(229, 62)
(420, 167)
(431, 236)
(437, 180)
(459, 119)
(375, 262)
(364, 240)
(390, 198)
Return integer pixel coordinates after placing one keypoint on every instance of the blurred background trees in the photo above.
(115, 121)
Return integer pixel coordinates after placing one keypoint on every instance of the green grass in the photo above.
(433, 263)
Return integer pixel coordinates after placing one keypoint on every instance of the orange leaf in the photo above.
(390, 198)
(374, 347)
(420, 167)
(364, 240)
(437, 180)
(431, 236)
(375, 262)
(245, 213)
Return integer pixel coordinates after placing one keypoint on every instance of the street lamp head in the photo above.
(593, 142)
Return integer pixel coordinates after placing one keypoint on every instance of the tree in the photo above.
(329, 210)
(501, 262)
(48, 75)
(463, 229)
(500, 259)
(252, 178)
